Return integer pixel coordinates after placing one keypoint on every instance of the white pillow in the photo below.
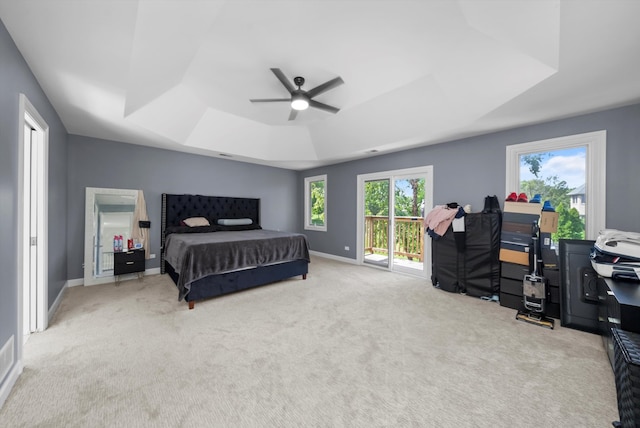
(196, 221)
(234, 221)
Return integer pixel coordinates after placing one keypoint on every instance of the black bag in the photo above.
(446, 263)
(482, 254)
(472, 268)
(491, 205)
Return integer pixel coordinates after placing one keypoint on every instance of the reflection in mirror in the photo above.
(108, 212)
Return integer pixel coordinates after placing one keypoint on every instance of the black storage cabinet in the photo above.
(468, 262)
(130, 261)
(627, 376)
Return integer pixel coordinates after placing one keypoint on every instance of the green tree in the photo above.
(409, 205)
(550, 189)
(534, 162)
(403, 203)
(317, 202)
(556, 191)
(376, 197)
(417, 188)
(570, 225)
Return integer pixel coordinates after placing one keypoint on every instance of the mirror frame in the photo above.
(90, 199)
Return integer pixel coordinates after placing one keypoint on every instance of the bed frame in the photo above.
(175, 208)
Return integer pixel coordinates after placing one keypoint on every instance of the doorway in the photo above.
(33, 153)
(391, 210)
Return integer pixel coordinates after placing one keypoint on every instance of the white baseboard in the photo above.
(75, 282)
(80, 281)
(154, 271)
(333, 257)
(9, 382)
(56, 303)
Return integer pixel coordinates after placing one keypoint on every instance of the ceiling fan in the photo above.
(301, 99)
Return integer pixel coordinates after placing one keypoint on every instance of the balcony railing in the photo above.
(409, 236)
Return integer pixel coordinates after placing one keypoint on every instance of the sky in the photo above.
(569, 165)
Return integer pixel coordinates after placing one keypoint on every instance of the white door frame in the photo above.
(426, 171)
(29, 116)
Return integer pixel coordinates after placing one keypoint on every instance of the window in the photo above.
(568, 171)
(315, 203)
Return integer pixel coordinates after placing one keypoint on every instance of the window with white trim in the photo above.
(539, 157)
(315, 203)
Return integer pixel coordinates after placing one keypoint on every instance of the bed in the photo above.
(231, 253)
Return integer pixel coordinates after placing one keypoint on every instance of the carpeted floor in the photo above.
(349, 347)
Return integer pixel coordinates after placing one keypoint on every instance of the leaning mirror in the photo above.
(108, 212)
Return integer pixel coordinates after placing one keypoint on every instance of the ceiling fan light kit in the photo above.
(301, 99)
(299, 102)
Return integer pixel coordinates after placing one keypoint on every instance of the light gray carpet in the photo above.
(349, 347)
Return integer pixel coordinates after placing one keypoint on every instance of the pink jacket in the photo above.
(440, 218)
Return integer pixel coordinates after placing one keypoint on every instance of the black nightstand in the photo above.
(131, 261)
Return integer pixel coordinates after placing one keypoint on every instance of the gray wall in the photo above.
(464, 171)
(467, 170)
(16, 78)
(99, 163)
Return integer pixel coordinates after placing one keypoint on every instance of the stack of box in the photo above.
(518, 219)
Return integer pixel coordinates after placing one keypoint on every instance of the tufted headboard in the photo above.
(176, 208)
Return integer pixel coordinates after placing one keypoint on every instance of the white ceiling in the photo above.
(178, 74)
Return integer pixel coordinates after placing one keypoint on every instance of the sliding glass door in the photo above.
(391, 211)
(376, 222)
(408, 223)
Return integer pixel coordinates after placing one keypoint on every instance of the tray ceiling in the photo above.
(179, 74)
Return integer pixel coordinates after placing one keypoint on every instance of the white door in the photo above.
(30, 278)
(34, 190)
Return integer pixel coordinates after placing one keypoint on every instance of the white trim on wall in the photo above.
(56, 303)
(11, 379)
(333, 257)
(596, 144)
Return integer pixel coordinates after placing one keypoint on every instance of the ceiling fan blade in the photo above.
(325, 87)
(293, 114)
(283, 79)
(325, 107)
(271, 100)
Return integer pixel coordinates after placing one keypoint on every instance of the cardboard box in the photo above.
(522, 208)
(517, 257)
(549, 222)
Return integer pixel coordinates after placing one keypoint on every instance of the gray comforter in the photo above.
(196, 255)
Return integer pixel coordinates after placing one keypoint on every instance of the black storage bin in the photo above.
(446, 263)
(468, 262)
(482, 254)
(626, 349)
